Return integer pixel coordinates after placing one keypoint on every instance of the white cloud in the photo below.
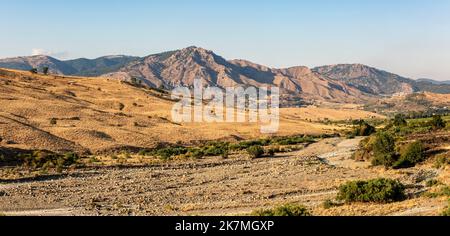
(43, 52)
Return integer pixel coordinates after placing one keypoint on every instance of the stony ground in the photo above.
(214, 186)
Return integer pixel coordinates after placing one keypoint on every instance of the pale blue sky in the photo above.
(408, 37)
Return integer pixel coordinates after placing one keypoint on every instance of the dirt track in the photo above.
(208, 187)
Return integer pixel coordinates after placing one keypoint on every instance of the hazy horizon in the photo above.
(407, 37)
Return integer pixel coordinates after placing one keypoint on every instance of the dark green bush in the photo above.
(167, 153)
(45, 160)
(377, 190)
(327, 204)
(363, 129)
(284, 210)
(399, 120)
(437, 122)
(45, 70)
(410, 156)
(293, 140)
(383, 148)
(271, 152)
(255, 151)
(53, 121)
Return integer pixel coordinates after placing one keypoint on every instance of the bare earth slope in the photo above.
(95, 115)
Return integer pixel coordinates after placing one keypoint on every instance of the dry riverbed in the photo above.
(214, 186)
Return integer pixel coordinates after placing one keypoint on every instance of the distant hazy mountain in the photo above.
(99, 66)
(340, 83)
(433, 81)
(80, 67)
(27, 63)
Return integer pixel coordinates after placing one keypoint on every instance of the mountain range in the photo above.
(335, 83)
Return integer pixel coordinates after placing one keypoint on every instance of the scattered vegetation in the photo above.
(410, 156)
(121, 106)
(442, 160)
(446, 212)
(284, 210)
(399, 120)
(136, 82)
(377, 190)
(47, 160)
(254, 148)
(444, 191)
(327, 204)
(432, 182)
(53, 121)
(45, 70)
(362, 129)
(255, 151)
(437, 122)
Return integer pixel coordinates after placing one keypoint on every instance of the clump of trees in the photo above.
(376, 190)
(48, 160)
(362, 128)
(384, 152)
(399, 120)
(437, 122)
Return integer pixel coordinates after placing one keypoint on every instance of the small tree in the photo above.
(34, 71)
(376, 190)
(363, 129)
(412, 154)
(255, 151)
(437, 122)
(45, 70)
(384, 150)
(399, 120)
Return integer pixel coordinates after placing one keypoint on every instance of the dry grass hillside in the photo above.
(61, 113)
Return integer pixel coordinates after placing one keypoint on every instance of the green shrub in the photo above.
(442, 160)
(45, 70)
(363, 129)
(431, 183)
(271, 152)
(410, 156)
(377, 190)
(437, 122)
(446, 212)
(53, 121)
(327, 204)
(284, 210)
(215, 149)
(383, 148)
(46, 160)
(293, 140)
(167, 153)
(399, 120)
(196, 153)
(246, 144)
(443, 191)
(255, 151)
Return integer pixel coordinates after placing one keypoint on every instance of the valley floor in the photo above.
(214, 186)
